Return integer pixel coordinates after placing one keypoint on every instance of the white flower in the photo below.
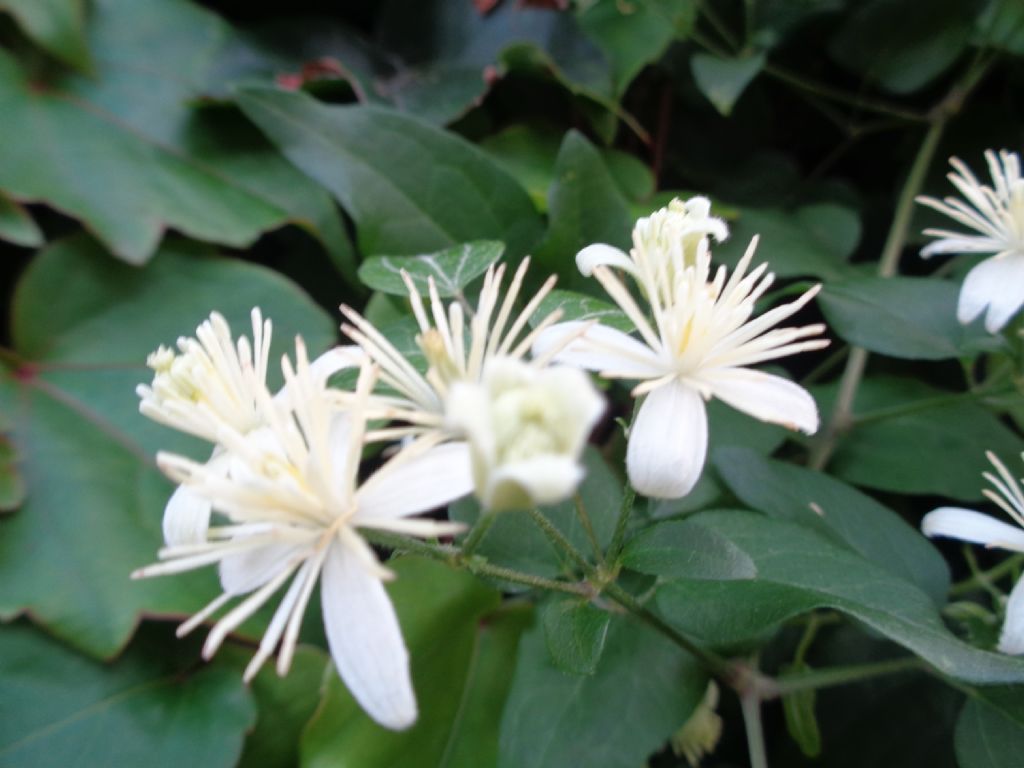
(494, 330)
(526, 429)
(698, 347)
(997, 215)
(212, 383)
(968, 525)
(292, 510)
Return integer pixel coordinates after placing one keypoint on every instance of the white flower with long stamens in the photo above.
(997, 214)
(701, 341)
(292, 510)
(977, 528)
(495, 330)
(526, 429)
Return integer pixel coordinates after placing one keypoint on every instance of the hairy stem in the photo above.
(824, 678)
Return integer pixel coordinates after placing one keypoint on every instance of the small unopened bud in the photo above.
(700, 734)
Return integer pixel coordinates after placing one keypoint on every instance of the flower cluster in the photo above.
(493, 400)
(695, 343)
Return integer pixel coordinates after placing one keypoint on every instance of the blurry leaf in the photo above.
(989, 737)
(452, 269)
(284, 706)
(841, 513)
(584, 206)
(724, 80)
(814, 240)
(636, 33)
(529, 153)
(579, 306)
(58, 26)
(727, 426)
(439, 33)
(12, 484)
(902, 46)
(644, 688)
(681, 549)
(934, 447)
(799, 570)
(907, 317)
(94, 496)
(152, 706)
(1002, 26)
(445, 619)
(575, 633)
(162, 164)
(515, 541)
(17, 226)
(410, 187)
(798, 708)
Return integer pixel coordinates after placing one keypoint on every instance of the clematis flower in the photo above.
(526, 430)
(213, 382)
(292, 512)
(977, 528)
(494, 331)
(996, 214)
(702, 339)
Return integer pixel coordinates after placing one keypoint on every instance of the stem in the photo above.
(476, 566)
(810, 632)
(981, 577)
(622, 523)
(714, 663)
(824, 678)
(588, 527)
(557, 538)
(477, 533)
(978, 580)
(751, 704)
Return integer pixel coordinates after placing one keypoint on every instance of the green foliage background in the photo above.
(163, 158)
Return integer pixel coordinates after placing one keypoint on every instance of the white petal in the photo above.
(1011, 639)
(598, 254)
(765, 397)
(252, 568)
(600, 349)
(540, 480)
(186, 517)
(366, 640)
(996, 283)
(426, 482)
(968, 525)
(336, 359)
(668, 443)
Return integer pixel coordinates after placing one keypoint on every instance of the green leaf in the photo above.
(907, 317)
(57, 26)
(911, 438)
(515, 541)
(798, 708)
(799, 570)
(580, 306)
(814, 240)
(409, 186)
(575, 632)
(839, 512)
(584, 206)
(284, 706)
(635, 34)
(724, 80)
(644, 689)
(529, 152)
(452, 269)
(988, 737)
(682, 549)
(17, 226)
(150, 707)
(445, 621)
(163, 164)
(94, 496)
(902, 48)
